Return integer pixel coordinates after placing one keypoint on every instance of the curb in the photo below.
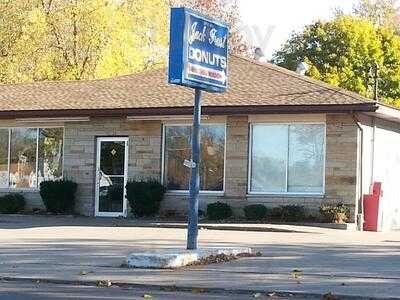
(216, 227)
(238, 227)
(194, 289)
(267, 227)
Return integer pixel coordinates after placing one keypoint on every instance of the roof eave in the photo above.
(386, 112)
(184, 110)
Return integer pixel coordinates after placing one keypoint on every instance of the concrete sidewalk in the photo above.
(21, 221)
(342, 262)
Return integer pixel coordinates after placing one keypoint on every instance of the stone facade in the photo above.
(340, 169)
(80, 153)
(237, 147)
(145, 148)
(342, 160)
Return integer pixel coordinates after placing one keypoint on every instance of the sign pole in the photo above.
(193, 214)
(198, 59)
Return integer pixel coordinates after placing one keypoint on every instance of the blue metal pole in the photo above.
(193, 214)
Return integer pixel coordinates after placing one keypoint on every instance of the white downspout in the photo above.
(360, 204)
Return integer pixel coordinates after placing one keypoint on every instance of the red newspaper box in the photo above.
(371, 208)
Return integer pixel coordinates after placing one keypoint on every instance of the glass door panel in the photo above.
(111, 176)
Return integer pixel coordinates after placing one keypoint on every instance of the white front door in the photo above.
(111, 176)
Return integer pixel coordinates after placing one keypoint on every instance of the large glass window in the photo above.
(306, 158)
(29, 156)
(23, 148)
(50, 155)
(177, 148)
(4, 157)
(212, 158)
(269, 158)
(287, 158)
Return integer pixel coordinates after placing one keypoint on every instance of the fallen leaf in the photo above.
(296, 273)
(104, 283)
(147, 296)
(83, 273)
(198, 290)
(330, 296)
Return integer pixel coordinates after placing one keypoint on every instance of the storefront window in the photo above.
(306, 158)
(50, 154)
(269, 154)
(287, 158)
(23, 158)
(178, 148)
(4, 157)
(29, 156)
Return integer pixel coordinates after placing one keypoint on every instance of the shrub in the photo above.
(218, 211)
(145, 197)
(276, 213)
(293, 213)
(289, 213)
(336, 213)
(58, 195)
(12, 203)
(255, 212)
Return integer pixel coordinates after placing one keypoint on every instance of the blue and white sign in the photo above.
(198, 52)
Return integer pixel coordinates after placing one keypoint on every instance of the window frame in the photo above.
(36, 188)
(286, 193)
(163, 161)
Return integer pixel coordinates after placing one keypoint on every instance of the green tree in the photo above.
(80, 39)
(341, 52)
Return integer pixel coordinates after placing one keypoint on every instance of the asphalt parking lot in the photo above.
(85, 250)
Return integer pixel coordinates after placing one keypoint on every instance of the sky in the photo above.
(269, 23)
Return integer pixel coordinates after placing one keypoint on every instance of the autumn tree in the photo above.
(225, 10)
(80, 39)
(341, 52)
(383, 13)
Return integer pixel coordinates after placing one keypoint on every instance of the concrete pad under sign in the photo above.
(176, 258)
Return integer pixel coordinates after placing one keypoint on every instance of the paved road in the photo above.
(350, 263)
(41, 291)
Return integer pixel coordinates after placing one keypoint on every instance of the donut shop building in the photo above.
(274, 138)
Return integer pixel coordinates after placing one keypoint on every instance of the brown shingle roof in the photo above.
(251, 85)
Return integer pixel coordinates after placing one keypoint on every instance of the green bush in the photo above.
(255, 212)
(145, 197)
(293, 213)
(276, 213)
(289, 213)
(218, 211)
(58, 195)
(336, 213)
(12, 203)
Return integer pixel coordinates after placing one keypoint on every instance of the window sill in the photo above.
(283, 195)
(202, 193)
(16, 190)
